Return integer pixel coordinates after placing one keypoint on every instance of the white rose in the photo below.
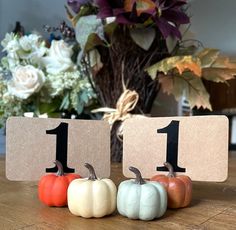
(36, 56)
(35, 39)
(32, 48)
(12, 46)
(59, 58)
(7, 39)
(25, 43)
(25, 81)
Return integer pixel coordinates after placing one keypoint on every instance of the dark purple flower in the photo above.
(107, 7)
(76, 4)
(166, 14)
(170, 17)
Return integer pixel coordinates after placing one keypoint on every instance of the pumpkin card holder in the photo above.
(196, 146)
(33, 145)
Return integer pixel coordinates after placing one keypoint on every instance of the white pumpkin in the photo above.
(92, 197)
(140, 199)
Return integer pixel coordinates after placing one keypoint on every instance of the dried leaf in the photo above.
(221, 70)
(166, 83)
(206, 64)
(218, 74)
(189, 85)
(95, 61)
(141, 6)
(182, 63)
(224, 62)
(208, 57)
(188, 62)
(197, 95)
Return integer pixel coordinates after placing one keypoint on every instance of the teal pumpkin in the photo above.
(140, 199)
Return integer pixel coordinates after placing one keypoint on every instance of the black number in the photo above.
(61, 132)
(172, 131)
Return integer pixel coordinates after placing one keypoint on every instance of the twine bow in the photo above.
(126, 103)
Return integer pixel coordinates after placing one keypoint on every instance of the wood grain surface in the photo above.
(213, 207)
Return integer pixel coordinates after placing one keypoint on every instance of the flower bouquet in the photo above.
(41, 80)
(125, 46)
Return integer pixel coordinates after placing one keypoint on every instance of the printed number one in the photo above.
(172, 131)
(61, 132)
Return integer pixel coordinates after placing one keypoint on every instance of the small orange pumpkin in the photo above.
(179, 188)
(52, 188)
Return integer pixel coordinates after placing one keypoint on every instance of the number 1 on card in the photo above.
(172, 131)
(61, 132)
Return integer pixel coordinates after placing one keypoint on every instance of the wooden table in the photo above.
(213, 207)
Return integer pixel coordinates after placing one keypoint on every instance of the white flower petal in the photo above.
(59, 58)
(25, 81)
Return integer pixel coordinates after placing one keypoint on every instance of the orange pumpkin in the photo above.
(179, 188)
(52, 188)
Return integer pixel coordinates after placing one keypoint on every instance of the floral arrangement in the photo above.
(40, 79)
(180, 69)
(139, 45)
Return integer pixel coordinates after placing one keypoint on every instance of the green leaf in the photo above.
(208, 57)
(171, 43)
(80, 108)
(92, 41)
(185, 50)
(80, 105)
(49, 107)
(5, 63)
(54, 115)
(110, 28)
(84, 97)
(65, 102)
(143, 37)
(84, 11)
(89, 29)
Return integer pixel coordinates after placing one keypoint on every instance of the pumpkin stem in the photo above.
(60, 171)
(92, 174)
(139, 179)
(170, 168)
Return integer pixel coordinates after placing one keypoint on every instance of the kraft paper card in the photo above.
(197, 146)
(33, 144)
